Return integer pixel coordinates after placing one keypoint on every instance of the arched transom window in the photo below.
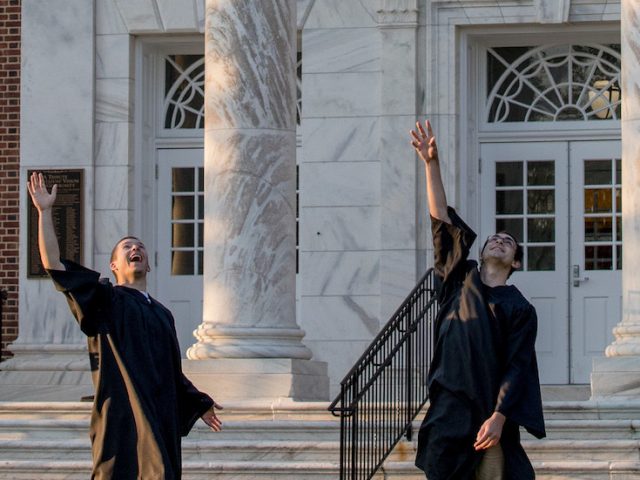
(553, 83)
(183, 98)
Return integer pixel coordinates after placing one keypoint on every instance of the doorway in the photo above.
(562, 200)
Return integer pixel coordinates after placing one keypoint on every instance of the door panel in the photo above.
(524, 191)
(596, 253)
(180, 238)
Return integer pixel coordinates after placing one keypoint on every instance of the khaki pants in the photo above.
(492, 465)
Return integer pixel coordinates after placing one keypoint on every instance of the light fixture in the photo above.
(603, 98)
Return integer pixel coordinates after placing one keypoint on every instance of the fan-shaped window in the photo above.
(184, 91)
(553, 83)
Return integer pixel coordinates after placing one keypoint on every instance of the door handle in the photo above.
(577, 279)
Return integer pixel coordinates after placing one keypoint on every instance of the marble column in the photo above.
(618, 374)
(250, 218)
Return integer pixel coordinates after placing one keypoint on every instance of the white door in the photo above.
(524, 191)
(543, 192)
(596, 253)
(180, 238)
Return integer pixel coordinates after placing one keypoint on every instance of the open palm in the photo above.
(41, 198)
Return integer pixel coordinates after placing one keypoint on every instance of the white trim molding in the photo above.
(398, 13)
(553, 11)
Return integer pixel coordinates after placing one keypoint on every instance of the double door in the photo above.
(562, 200)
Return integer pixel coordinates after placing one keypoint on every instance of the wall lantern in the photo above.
(604, 97)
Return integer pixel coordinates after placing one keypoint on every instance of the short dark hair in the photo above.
(113, 251)
(518, 256)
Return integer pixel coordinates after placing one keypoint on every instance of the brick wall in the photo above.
(9, 164)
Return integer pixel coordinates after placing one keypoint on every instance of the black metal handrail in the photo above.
(386, 388)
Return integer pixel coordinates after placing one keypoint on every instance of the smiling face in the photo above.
(502, 248)
(129, 260)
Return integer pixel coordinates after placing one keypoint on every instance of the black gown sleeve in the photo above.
(451, 246)
(85, 293)
(193, 404)
(519, 397)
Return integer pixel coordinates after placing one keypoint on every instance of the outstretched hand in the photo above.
(210, 418)
(424, 142)
(490, 432)
(41, 198)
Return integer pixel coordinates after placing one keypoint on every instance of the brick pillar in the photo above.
(9, 164)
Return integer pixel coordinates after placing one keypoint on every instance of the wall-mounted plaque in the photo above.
(67, 218)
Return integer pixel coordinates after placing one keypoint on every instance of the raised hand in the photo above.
(42, 199)
(210, 418)
(424, 142)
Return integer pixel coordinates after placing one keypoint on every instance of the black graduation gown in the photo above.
(484, 361)
(143, 402)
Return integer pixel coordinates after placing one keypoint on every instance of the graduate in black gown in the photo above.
(483, 380)
(143, 403)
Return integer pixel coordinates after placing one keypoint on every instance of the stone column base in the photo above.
(259, 378)
(616, 377)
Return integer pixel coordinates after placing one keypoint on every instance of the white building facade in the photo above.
(525, 97)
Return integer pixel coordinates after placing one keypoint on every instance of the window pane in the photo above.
(618, 228)
(182, 208)
(181, 263)
(511, 225)
(598, 229)
(598, 257)
(200, 262)
(619, 257)
(201, 179)
(540, 201)
(201, 234)
(618, 200)
(618, 172)
(541, 258)
(540, 173)
(508, 174)
(541, 230)
(200, 207)
(597, 200)
(182, 235)
(182, 179)
(597, 172)
(508, 202)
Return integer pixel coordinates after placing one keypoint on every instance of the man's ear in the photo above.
(113, 266)
(516, 265)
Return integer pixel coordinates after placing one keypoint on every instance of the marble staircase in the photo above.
(297, 440)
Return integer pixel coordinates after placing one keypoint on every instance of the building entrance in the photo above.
(562, 201)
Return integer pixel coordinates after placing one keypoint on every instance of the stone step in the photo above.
(191, 470)
(554, 450)
(584, 429)
(552, 470)
(192, 450)
(236, 430)
(582, 450)
(72, 470)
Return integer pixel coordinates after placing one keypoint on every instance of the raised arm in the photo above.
(47, 241)
(425, 144)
